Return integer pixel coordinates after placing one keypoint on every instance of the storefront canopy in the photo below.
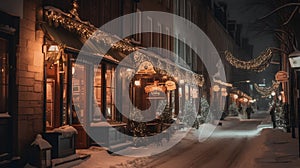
(68, 30)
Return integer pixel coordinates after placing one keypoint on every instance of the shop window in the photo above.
(79, 94)
(110, 93)
(138, 27)
(160, 37)
(50, 102)
(150, 25)
(97, 94)
(104, 94)
(187, 95)
(3, 75)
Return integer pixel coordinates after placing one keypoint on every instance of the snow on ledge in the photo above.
(66, 130)
(4, 115)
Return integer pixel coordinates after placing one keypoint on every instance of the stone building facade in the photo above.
(26, 61)
(30, 63)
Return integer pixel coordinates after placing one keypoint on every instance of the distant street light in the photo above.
(243, 81)
(294, 59)
(235, 96)
(273, 93)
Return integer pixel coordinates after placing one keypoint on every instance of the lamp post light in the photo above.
(294, 59)
(273, 93)
(243, 81)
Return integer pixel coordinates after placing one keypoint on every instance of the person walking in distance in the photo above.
(272, 113)
(249, 110)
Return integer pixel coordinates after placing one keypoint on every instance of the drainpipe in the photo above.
(61, 90)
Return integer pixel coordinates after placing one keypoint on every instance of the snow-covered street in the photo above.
(237, 143)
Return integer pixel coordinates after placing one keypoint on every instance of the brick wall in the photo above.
(222, 41)
(29, 77)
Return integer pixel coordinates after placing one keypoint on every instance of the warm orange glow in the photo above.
(170, 85)
(216, 88)
(154, 87)
(53, 48)
(137, 83)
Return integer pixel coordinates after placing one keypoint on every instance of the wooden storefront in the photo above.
(93, 92)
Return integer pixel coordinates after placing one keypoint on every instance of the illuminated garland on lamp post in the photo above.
(257, 64)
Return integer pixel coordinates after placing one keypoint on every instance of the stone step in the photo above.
(4, 156)
(66, 160)
(9, 163)
(119, 146)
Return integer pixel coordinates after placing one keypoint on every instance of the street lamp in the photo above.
(294, 59)
(243, 81)
(273, 93)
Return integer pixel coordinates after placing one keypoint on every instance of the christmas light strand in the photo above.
(257, 64)
(85, 30)
(266, 91)
(72, 23)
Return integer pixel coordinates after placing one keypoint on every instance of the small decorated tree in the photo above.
(136, 126)
(190, 114)
(233, 109)
(204, 110)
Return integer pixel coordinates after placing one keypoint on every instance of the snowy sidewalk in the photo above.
(267, 148)
(274, 148)
(271, 148)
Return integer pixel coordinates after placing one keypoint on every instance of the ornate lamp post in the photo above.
(294, 59)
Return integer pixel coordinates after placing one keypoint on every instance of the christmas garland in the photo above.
(266, 91)
(257, 64)
(72, 22)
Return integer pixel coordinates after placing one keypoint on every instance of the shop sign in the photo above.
(282, 76)
(170, 85)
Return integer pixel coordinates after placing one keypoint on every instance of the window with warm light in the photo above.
(79, 97)
(97, 93)
(50, 97)
(110, 93)
(104, 94)
(3, 75)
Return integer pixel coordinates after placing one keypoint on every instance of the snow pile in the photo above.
(66, 130)
(41, 143)
(4, 115)
(101, 158)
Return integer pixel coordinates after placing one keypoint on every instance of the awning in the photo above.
(74, 43)
(70, 31)
(61, 36)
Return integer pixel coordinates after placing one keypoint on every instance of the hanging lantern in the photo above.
(216, 88)
(40, 153)
(170, 85)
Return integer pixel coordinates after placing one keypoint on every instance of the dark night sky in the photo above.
(244, 13)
